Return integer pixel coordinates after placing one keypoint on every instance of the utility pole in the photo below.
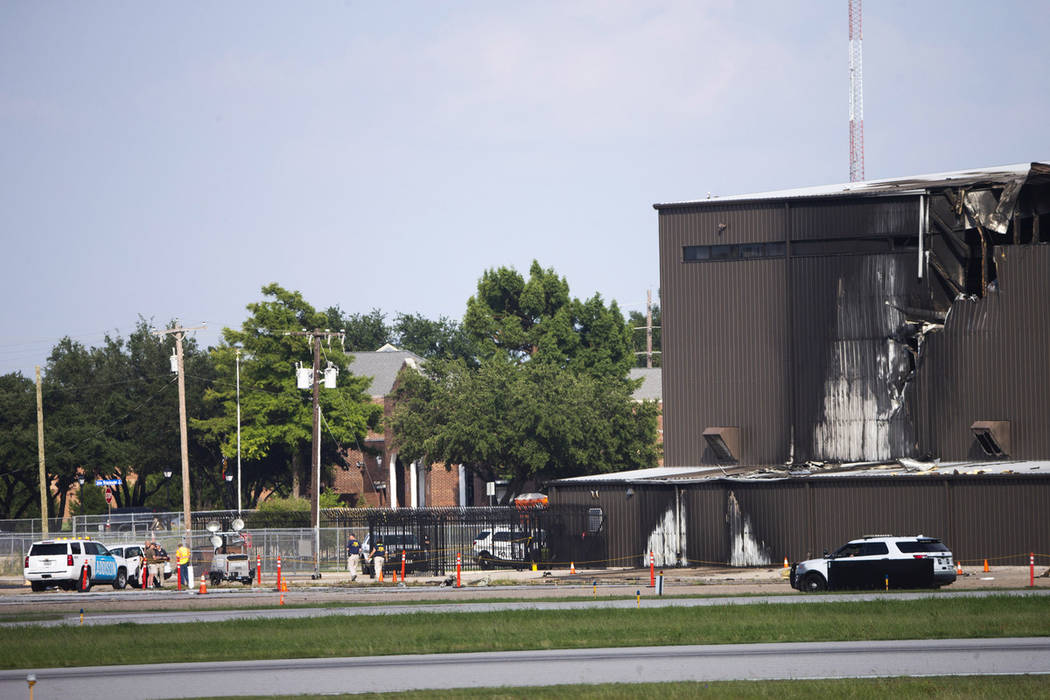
(316, 336)
(40, 454)
(648, 327)
(179, 332)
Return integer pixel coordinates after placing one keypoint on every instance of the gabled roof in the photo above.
(383, 366)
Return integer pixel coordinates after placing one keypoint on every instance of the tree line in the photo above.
(531, 384)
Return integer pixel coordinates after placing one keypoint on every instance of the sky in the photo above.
(167, 160)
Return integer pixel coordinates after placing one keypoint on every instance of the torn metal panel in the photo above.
(991, 212)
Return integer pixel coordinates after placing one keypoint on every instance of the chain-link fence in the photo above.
(429, 538)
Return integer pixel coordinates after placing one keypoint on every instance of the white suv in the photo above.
(878, 561)
(73, 564)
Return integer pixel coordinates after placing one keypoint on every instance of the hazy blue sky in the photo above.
(169, 159)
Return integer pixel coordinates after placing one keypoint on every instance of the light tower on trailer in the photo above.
(856, 94)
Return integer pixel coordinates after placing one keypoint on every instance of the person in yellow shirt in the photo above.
(182, 558)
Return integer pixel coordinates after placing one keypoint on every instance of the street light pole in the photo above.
(238, 431)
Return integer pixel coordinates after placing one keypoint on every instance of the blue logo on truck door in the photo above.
(105, 567)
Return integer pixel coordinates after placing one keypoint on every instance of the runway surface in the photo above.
(614, 665)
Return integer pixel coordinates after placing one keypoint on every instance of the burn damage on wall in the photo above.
(745, 549)
(835, 324)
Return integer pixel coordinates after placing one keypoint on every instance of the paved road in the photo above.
(626, 665)
(187, 616)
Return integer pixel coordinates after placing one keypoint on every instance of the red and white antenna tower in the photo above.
(856, 94)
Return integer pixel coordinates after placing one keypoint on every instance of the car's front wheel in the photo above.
(813, 582)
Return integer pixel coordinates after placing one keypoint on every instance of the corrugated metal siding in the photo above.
(731, 223)
(858, 217)
(726, 335)
(730, 361)
(849, 372)
(779, 515)
(724, 329)
(844, 510)
(991, 363)
(1000, 518)
(707, 540)
(836, 384)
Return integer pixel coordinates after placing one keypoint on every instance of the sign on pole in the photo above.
(108, 482)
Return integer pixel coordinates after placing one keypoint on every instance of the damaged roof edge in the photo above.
(901, 467)
(911, 185)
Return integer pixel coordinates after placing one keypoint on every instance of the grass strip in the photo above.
(426, 632)
(945, 687)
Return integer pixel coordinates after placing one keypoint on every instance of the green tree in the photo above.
(520, 422)
(112, 411)
(276, 416)
(363, 332)
(19, 488)
(548, 398)
(442, 339)
(537, 320)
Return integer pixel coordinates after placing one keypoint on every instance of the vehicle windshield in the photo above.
(44, 550)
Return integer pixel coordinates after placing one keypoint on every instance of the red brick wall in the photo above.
(442, 486)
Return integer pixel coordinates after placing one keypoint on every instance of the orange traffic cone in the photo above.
(204, 588)
(958, 568)
(572, 567)
(284, 586)
(786, 565)
(986, 569)
(282, 598)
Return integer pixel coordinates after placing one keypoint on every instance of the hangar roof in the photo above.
(913, 184)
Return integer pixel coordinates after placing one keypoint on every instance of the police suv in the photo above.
(877, 561)
(73, 564)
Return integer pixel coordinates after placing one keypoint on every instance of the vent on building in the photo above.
(993, 436)
(594, 520)
(724, 442)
